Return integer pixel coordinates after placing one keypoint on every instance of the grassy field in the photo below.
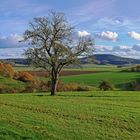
(70, 116)
(10, 83)
(104, 72)
(90, 67)
(24, 68)
(117, 78)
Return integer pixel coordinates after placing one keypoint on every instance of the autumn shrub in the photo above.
(138, 68)
(72, 87)
(67, 87)
(106, 85)
(85, 88)
(6, 70)
(36, 86)
(24, 77)
(41, 86)
(5, 89)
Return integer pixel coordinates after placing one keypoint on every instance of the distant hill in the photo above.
(111, 59)
(97, 58)
(20, 61)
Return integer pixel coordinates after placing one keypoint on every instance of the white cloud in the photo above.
(107, 35)
(114, 22)
(123, 51)
(11, 41)
(83, 33)
(11, 53)
(122, 48)
(102, 48)
(134, 35)
(136, 47)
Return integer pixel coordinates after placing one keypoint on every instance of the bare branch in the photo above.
(53, 45)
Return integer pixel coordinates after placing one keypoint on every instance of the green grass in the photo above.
(94, 67)
(10, 83)
(119, 79)
(70, 116)
(90, 67)
(24, 68)
(116, 78)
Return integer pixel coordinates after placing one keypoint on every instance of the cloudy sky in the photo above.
(115, 24)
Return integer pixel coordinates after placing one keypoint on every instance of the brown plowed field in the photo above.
(63, 73)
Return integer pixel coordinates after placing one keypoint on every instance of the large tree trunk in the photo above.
(53, 87)
(54, 81)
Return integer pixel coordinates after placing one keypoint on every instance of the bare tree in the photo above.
(53, 45)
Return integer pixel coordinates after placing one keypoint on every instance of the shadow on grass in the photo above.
(80, 95)
(126, 86)
(5, 134)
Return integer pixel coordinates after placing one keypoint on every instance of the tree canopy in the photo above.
(54, 45)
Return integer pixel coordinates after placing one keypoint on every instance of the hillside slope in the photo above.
(98, 59)
(111, 59)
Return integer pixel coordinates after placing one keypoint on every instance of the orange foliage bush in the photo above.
(36, 86)
(24, 76)
(6, 70)
(72, 87)
(67, 87)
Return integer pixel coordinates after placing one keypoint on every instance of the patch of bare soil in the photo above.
(63, 73)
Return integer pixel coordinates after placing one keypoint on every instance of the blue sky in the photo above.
(115, 24)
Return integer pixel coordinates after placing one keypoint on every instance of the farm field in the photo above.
(70, 115)
(97, 115)
(87, 67)
(117, 78)
(85, 76)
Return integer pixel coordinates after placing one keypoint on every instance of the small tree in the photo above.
(105, 85)
(54, 45)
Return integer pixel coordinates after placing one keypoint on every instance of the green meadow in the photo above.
(71, 116)
(116, 77)
(111, 73)
(93, 115)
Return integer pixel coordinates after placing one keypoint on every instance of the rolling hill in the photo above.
(111, 59)
(97, 58)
